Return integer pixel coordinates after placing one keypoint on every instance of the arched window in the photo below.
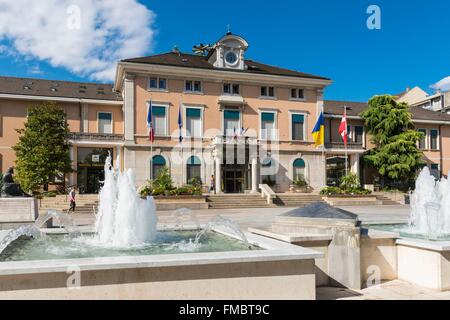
(193, 168)
(299, 169)
(268, 173)
(158, 163)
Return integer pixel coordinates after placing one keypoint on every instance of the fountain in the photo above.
(430, 207)
(128, 257)
(430, 210)
(125, 224)
(123, 218)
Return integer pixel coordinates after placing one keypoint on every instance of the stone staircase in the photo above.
(387, 201)
(234, 201)
(238, 201)
(85, 203)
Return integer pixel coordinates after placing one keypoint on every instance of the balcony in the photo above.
(221, 140)
(341, 146)
(81, 136)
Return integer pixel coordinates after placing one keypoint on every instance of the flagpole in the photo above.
(346, 142)
(180, 128)
(151, 140)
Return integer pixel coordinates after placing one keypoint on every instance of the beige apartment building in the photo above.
(244, 123)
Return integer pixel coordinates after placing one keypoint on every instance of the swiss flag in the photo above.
(343, 128)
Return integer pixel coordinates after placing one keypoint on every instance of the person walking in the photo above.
(211, 187)
(72, 200)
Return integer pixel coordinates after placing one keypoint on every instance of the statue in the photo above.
(10, 188)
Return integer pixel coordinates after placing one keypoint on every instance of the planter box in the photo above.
(177, 202)
(295, 189)
(356, 200)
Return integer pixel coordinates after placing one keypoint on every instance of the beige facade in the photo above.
(237, 154)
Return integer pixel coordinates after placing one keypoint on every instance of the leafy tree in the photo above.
(43, 149)
(396, 156)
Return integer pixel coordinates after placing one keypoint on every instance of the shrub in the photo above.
(163, 180)
(300, 181)
(195, 182)
(350, 181)
(328, 191)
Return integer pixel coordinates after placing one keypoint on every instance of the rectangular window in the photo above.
(298, 127)
(422, 141)
(193, 86)
(153, 83)
(268, 92)
(263, 91)
(359, 134)
(267, 125)
(159, 120)
(231, 88)
(197, 86)
(231, 122)
(235, 89)
(194, 126)
(227, 88)
(188, 86)
(105, 123)
(156, 83)
(434, 139)
(297, 94)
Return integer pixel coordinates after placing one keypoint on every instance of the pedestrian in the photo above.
(211, 187)
(72, 200)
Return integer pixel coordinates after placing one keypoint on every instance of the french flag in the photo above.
(151, 131)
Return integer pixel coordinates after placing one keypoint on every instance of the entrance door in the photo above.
(234, 180)
(89, 180)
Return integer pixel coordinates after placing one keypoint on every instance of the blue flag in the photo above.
(180, 124)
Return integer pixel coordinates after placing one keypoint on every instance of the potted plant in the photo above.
(300, 185)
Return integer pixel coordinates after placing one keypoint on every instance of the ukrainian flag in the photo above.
(319, 131)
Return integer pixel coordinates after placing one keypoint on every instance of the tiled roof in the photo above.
(333, 107)
(56, 88)
(196, 61)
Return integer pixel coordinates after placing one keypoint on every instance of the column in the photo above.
(128, 106)
(84, 118)
(254, 175)
(355, 164)
(72, 176)
(218, 175)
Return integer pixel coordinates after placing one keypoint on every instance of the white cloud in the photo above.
(443, 85)
(87, 37)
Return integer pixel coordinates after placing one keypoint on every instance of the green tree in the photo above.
(43, 149)
(395, 156)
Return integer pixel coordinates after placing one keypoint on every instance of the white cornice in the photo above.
(62, 99)
(223, 75)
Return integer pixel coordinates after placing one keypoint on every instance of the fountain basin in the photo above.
(278, 271)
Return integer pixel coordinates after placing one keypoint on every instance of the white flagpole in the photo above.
(151, 140)
(346, 143)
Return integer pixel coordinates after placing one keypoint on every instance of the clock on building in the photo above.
(231, 57)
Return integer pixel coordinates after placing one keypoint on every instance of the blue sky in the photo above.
(327, 38)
